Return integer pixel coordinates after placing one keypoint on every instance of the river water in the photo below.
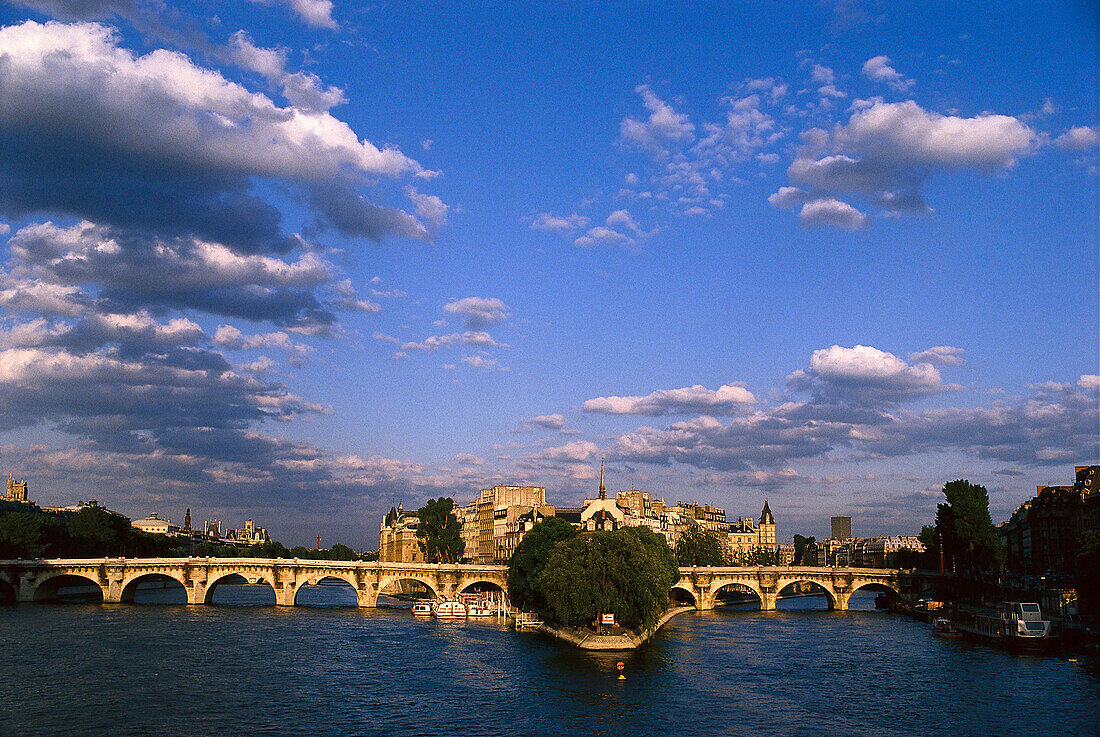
(324, 669)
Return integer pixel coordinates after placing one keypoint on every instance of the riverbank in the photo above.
(586, 639)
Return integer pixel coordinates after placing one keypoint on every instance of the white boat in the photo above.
(448, 609)
(422, 609)
(1013, 624)
(478, 609)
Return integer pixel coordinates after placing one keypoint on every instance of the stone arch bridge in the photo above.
(703, 585)
(118, 578)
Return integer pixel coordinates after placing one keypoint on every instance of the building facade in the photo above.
(1043, 533)
(492, 521)
(250, 534)
(154, 525)
(17, 491)
(397, 542)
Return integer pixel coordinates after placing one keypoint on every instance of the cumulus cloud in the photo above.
(878, 69)
(548, 422)
(479, 312)
(182, 273)
(663, 125)
(886, 151)
(866, 375)
(829, 211)
(303, 90)
(1081, 138)
(180, 143)
(316, 13)
(727, 399)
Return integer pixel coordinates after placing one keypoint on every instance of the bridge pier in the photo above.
(767, 601)
(841, 603)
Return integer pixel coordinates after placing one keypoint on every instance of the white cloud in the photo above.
(727, 399)
(483, 362)
(886, 151)
(943, 354)
(574, 451)
(787, 197)
(429, 207)
(1081, 138)
(546, 221)
(548, 422)
(1089, 382)
(479, 312)
(830, 211)
(867, 375)
(878, 69)
(663, 125)
(316, 13)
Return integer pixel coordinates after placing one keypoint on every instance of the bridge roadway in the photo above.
(118, 578)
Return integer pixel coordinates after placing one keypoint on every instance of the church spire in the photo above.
(603, 489)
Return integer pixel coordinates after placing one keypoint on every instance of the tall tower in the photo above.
(767, 527)
(187, 521)
(603, 489)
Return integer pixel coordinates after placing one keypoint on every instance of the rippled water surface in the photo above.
(100, 669)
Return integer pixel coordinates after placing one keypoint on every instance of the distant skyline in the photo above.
(296, 260)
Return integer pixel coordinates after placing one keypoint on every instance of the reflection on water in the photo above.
(330, 669)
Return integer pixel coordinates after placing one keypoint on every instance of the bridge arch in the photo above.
(46, 588)
(249, 577)
(484, 584)
(830, 595)
(743, 585)
(311, 585)
(683, 593)
(388, 581)
(131, 582)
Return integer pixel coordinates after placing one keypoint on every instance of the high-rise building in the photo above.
(841, 528)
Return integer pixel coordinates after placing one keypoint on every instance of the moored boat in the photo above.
(422, 609)
(1013, 624)
(943, 627)
(448, 609)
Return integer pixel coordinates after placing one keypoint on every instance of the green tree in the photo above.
(341, 552)
(529, 559)
(439, 532)
(30, 535)
(700, 547)
(805, 550)
(604, 572)
(658, 547)
(96, 532)
(759, 555)
(968, 533)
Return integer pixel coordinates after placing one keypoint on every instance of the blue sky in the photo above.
(296, 259)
